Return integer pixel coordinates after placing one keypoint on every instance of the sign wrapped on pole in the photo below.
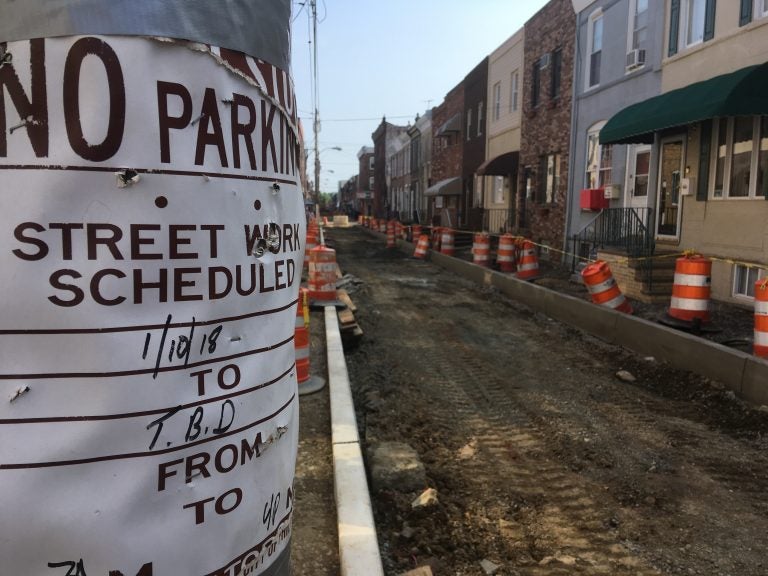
(153, 228)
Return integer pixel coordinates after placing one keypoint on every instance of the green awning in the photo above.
(740, 93)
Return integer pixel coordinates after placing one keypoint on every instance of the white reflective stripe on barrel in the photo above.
(322, 266)
(692, 279)
(300, 321)
(302, 353)
(761, 338)
(524, 267)
(697, 304)
(502, 258)
(616, 302)
(761, 308)
(602, 287)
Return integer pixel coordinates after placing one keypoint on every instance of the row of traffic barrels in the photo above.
(690, 292)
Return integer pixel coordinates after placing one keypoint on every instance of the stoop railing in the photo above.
(628, 230)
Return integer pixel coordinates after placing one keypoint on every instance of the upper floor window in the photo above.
(595, 44)
(638, 28)
(514, 89)
(370, 163)
(480, 118)
(557, 64)
(690, 22)
(469, 124)
(750, 8)
(740, 157)
(536, 84)
(496, 100)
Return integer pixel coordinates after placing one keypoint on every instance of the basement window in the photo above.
(744, 278)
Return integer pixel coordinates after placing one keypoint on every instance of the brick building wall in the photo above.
(447, 154)
(475, 107)
(545, 130)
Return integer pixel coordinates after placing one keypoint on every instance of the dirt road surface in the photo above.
(544, 461)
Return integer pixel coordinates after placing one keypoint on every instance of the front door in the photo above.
(668, 206)
(638, 176)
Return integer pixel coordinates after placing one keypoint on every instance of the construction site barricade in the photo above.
(322, 275)
(312, 241)
(481, 249)
(528, 266)
(760, 346)
(446, 242)
(391, 231)
(307, 382)
(435, 241)
(382, 226)
(691, 288)
(415, 232)
(603, 288)
(422, 247)
(505, 255)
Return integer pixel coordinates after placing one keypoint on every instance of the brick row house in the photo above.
(618, 128)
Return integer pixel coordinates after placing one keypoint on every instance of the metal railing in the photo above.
(629, 230)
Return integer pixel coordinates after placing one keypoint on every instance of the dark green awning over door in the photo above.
(740, 93)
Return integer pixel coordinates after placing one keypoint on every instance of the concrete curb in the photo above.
(358, 546)
(743, 373)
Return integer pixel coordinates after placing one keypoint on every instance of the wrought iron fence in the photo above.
(627, 229)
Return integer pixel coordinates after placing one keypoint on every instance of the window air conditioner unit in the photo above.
(544, 60)
(635, 58)
(612, 191)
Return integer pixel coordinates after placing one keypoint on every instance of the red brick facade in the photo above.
(546, 124)
(447, 152)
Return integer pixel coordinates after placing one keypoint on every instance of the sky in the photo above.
(387, 57)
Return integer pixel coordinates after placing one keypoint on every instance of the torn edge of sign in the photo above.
(255, 72)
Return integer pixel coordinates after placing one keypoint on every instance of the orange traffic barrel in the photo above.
(391, 227)
(307, 382)
(691, 287)
(760, 346)
(481, 249)
(382, 226)
(421, 247)
(446, 242)
(415, 232)
(312, 241)
(436, 238)
(603, 288)
(374, 224)
(398, 229)
(528, 267)
(322, 275)
(505, 255)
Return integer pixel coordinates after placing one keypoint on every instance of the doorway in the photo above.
(668, 205)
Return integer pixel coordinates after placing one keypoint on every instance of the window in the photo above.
(740, 157)
(498, 189)
(744, 278)
(536, 84)
(638, 24)
(595, 43)
(496, 100)
(599, 168)
(691, 22)
(549, 181)
(557, 60)
(694, 21)
(514, 80)
(469, 124)
(479, 118)
(370, 183)
(370, 163)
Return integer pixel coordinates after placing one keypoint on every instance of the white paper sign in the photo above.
(152, 246)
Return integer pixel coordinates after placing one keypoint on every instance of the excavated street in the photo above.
(544, 461)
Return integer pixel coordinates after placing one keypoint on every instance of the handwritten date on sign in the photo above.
(180, 347)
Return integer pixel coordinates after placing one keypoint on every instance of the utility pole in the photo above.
(316, 123)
